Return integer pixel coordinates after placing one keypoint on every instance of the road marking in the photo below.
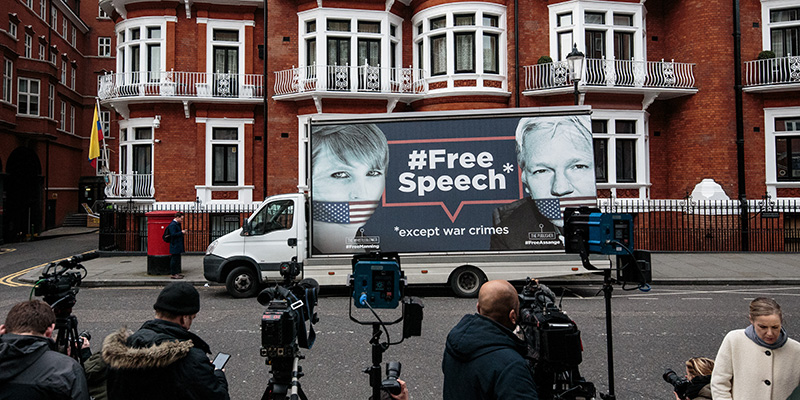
(696, 298)
(8, 279)
(4, 251)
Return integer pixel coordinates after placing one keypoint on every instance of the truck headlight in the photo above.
(211, 247)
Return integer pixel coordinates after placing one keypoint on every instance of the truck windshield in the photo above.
(277, 215)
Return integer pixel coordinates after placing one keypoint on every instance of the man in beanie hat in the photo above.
(163, 360)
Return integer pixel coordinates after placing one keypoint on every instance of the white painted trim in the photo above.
(770, 174)
(766, 25)
(642, 148)
(210, 124)
(237, 25)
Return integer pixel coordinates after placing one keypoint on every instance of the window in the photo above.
(28, 45)
(63, 72)
(64, 27)
(224, 145)
(139, 50)
(29, 3)
(276, 215)
(364, 39)
(72, 78)
(460, 39)
(63, 120)
(43, 9)
(42, 52)
(787, 148)
(73, 38)
(784, 31)
(136, 155)
(104, 46)
(8, 80)
(105, 119)
(12, 29)
(54, 18)
(225, 155)
(619, 148)
(51, 101)
(53, 55)
(101, 13)
(71, 119)
(614, 33)
(28, 96)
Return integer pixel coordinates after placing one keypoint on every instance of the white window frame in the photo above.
(770, 115)
(102, 14)
(54, 18)
(30, 97)
(63, 113)
(129, 140)
(578, 8)
(213, 24)
(64, 27)
(767, 26)
(71, 119)
(450, 11)
(104, 46)
(123, 46)
(642, 182)
(73, 38)
(72, 77)
(51, 100)
(42, 52)
(239, 142)
(8, 81)
(105, 119)
(43, 9)
(29, 3)
(63, 73)
(28, 46)
(13, 27)
(321, 15)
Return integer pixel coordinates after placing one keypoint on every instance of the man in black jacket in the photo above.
(30, 369)
(483, 358)
(163, 360)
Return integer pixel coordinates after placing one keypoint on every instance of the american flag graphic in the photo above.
(344, 212)
(554, 208)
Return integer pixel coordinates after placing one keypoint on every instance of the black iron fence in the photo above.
(123, 227)
(686, 225)
(659, 225)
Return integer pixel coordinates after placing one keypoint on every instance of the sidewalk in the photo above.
(668, 269)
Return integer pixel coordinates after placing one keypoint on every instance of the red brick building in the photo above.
(52, 54)
(187, 87)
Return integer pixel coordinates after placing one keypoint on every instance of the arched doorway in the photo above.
(23, 195)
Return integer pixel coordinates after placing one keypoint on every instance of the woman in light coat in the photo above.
(759, 362)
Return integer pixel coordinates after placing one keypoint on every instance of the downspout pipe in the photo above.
(516, 53)
(740, 157)
(265, 138)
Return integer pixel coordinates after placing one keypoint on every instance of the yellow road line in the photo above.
(8, 279)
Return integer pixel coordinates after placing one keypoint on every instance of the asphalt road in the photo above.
(652, 331)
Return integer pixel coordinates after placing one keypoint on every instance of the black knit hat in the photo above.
(179, 298)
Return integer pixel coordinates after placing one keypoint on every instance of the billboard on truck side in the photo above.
(448, 184)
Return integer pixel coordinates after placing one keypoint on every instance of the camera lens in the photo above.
(392, 370)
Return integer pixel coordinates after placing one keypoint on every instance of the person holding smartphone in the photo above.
(163, 359)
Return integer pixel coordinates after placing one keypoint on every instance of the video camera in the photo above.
(587, 230)
(378, 282)
(283, 328)
(554, 344)
(59, 282)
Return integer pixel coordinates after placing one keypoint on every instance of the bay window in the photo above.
(140, 49)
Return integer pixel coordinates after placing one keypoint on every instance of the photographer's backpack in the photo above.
(166, 236)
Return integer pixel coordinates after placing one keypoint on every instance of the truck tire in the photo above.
(242, 282)
(466, 281)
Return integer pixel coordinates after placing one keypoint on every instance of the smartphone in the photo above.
(221, 360)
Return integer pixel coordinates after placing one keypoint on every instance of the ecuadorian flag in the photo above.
(95, 138)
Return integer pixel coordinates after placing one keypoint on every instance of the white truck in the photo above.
(457, 194)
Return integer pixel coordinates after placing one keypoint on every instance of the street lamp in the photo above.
(575, 59)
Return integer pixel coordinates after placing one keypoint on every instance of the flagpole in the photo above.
(105, 148)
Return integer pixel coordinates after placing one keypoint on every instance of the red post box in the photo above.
(157, 248)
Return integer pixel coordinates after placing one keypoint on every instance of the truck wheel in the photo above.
(242, 282)
(466, 281)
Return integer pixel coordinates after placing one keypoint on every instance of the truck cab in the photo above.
(250, 256)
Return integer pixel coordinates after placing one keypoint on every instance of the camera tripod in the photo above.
(285, 382)
(68, 341)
